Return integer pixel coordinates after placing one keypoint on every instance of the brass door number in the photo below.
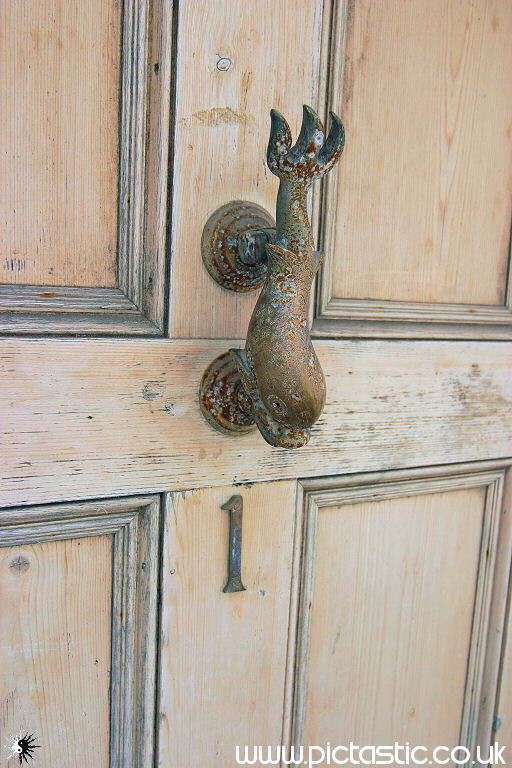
(235, 507)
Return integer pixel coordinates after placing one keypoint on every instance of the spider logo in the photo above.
(24, 747)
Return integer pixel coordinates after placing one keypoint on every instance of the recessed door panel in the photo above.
(59, 140)
(83, 159)
(55, 651)
(397, 581)
(417, 223)
(78, 586)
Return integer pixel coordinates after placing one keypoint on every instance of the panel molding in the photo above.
(137, 305)
(345, 317)
(53, 310)
(134, 526)
(484, 656)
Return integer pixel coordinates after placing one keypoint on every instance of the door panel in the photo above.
(121, 417)
(397, 582)
(84, 148)
(417, 223)
(60, 113)
(447, 240)
(223, 655)
(55, 652)
(78, 583)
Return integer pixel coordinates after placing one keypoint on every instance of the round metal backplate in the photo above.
(220, 245)
(219, 397)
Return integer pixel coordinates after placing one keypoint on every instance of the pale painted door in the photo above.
(376, 558)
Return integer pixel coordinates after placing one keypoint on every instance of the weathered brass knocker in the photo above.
(276, 382)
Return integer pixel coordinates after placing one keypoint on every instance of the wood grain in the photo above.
(235, 62)
(223, 656)
(387, 640)
(55, 650)
(123, 587)
(58, 164)
(113, 417)
(421, 209)
(48, 310)
(136, 304)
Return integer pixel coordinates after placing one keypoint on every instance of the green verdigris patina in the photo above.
(278, 383)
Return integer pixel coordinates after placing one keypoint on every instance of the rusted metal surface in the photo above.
(275, 433)
(219, 397)
(297, 168)
(283, 386)
(235, 508)
(233, 245)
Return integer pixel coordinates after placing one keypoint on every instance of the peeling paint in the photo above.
(152, 390)
(214, 117)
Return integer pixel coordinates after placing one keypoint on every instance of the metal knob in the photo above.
(276, 382)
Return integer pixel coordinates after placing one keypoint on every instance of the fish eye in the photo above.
(277, 405)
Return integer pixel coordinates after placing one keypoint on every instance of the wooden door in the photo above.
(376, 559)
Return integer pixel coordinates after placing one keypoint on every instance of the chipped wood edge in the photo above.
(134, 524)
(483, 658)
(137, 305)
